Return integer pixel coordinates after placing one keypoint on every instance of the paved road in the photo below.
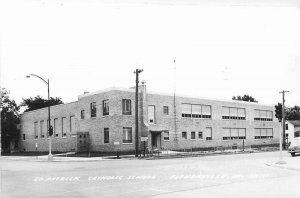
(242, 175)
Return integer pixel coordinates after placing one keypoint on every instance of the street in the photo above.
(240, 175)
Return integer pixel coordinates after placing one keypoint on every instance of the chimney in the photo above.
(86, 92)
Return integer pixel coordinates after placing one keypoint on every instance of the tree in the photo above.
(9, 119)
(244, 98)
(293, 113)
(38, 102)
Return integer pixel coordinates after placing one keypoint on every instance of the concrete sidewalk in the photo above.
(64, 159)
(288, 162)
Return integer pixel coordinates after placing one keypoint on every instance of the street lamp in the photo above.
(50, 156)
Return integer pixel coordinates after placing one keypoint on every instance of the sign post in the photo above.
(36, 146)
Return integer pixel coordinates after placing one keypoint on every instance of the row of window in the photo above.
(127, 135)
(188, 111)
(41, 129)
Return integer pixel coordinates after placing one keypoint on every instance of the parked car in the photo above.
(294, 146)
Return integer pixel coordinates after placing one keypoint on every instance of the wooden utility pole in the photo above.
(283, 119)
(137, 71)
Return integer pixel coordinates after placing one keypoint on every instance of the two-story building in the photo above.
(104, 121)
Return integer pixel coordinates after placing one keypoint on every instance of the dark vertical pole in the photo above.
(144, 148)
(137, 71)
(283, 119)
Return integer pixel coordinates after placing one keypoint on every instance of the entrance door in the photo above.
(156, 140)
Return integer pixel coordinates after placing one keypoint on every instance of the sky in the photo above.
(222, 49)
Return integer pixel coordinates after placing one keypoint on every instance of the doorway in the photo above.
(156, 140)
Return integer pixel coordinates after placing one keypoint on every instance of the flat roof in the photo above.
(171, 94)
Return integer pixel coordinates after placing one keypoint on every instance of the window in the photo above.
(23, 136)
(106, 135)
(55, 128)
(193, 135)
(196, 111)
(151, 114)
(263, 133)
(63, 127)
(36, 130)
(297, 134)
(166, 135)
(208, 132)
(105, 107)
(233, 113)
(200, 135)
(263, 115)
(206, 111)
(234, 133)
(93, 110)
(286, 127)
(82, 114)
(42, 129)
(186, 110)
(127, 135)
(166, 110)
(126, 107)
(72, 124)
(184, 136)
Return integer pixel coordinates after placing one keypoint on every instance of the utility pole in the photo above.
(283, 119)
(137, 71)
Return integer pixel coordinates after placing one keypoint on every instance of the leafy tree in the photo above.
(244, 98)
(38, 102)
(9, 119)
(293, 113)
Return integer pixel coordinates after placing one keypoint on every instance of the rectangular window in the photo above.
(184, 136)
(63, 127)
(200, 135)
(196, 111)
(105, 107)
(225, 113)
(42, 129)
(55, 127)
(36, 129)
(234, 133)
(263, 115)
(106, 135)
(242, 134)
(93, 110)
(72, 124)
(233, 113)
(256, 133)
(241, 114)
(127, 135)
(206, 111)
(126, 107)
(151, 114)
(208, 132)
(193, 135)
(166, 110)
(269, 133)
(226, 134)
(82, 114)
(286, 127)
(186, 110)
(166, 135)
(23, 136)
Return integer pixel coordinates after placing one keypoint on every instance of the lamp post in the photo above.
(50, 156)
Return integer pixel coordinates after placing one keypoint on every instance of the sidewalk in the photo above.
(64, 159)
(288, 162)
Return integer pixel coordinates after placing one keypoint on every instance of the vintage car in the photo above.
(294, 146)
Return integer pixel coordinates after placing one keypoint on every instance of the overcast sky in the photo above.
(221, 49)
